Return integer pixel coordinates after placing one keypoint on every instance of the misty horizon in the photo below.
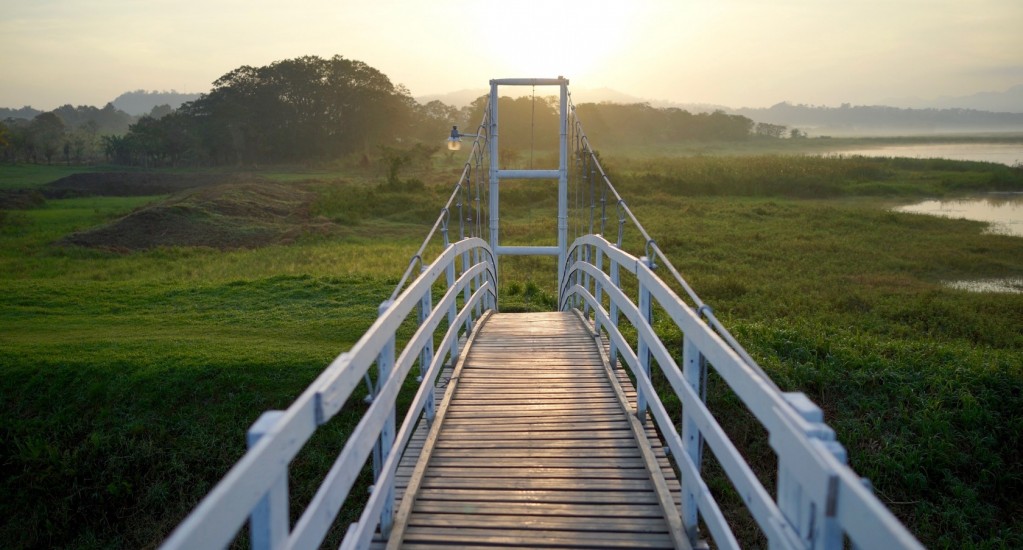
(733, 53)
(1007, 101)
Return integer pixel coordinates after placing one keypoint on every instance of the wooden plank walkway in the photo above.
(534, 447)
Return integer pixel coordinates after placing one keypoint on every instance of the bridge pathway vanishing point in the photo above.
(537, 444)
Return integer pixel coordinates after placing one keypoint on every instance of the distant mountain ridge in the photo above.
(981, 112)
(861, 120)
(136, 103)
(1009, 101)
(462, 98)
(141, 102)
(26, 112)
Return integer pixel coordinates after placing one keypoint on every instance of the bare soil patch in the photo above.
(20, 199)
(224, 216)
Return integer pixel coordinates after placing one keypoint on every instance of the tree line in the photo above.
(66, 134)
(312, 109)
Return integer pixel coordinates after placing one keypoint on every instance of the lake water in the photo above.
(1004, 211)
(1012, 285)
(1009, 154)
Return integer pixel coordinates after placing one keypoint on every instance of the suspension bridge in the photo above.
(543, 430)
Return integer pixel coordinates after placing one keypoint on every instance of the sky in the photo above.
(738, 53)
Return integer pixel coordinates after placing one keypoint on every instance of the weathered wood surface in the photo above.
(534, 449)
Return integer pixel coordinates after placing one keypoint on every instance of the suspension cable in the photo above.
(654, 252)
(460, 198)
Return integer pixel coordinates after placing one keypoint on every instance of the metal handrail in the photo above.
(820, 498)
(256, 487)
(654, 251)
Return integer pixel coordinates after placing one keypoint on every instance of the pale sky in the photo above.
(729, 52)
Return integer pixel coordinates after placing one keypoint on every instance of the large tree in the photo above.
(296, 109)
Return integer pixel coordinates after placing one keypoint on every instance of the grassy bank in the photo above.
(127, 380)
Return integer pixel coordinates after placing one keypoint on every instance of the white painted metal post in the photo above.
(598, 291)
(477, 257)
(494, 164)
(426, 354)
(563, 186)
(385, 363)
(467, 291)
(269, 522)
(577, 300)
(587, 254)
(452, 312)
(693, 367)
(643, 352)
(616, 279)
(810, 515)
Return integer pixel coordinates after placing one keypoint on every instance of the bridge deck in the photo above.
(533, 446)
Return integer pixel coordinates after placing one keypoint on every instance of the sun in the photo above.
(571, 38)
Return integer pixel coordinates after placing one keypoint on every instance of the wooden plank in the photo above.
(544, 522)
(535, 449)
(540, 509)
(562, 444)
(544, 462)
(573, 472)
(554, 401)
(530, 452)
(534, 435)
(573, 539)
(527, 484)
(525, 419)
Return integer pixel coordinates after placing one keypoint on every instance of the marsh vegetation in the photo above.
(129, 374)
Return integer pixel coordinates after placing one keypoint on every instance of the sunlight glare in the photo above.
(572, 38)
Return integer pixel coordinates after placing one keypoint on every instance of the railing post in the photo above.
(598, 291)
(643, 353)
(491, 299)
(269, 522)
(477, 257)
(385, 362)
(809, 509)
(562, 186)
(587, 257)
(579, 278)
(449, 274)
(426, 354)
(467, 292)
(616, 279)
(693, 371)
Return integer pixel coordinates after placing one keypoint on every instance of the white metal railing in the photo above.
(256, 487)
(819, 498)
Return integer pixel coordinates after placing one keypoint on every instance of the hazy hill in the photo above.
(462, 98)
(882, 120)
(1009, 101)
(141, 102)
(26, 113)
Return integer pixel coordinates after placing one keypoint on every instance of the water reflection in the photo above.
(1004, 211)
(1011, 285)
(1003, 153)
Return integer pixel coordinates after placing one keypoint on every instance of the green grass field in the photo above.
(128, 379)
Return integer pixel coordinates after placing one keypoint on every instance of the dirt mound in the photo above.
(20, 199)
(128, 184)
(226, 216)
